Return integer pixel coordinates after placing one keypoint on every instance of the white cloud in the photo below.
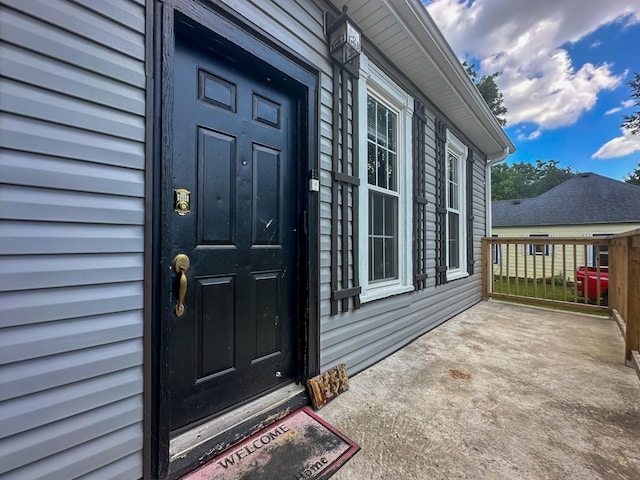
(523, 41)
(521, 135)
(619, 146)
(625, 104)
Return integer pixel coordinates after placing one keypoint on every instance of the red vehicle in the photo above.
(592, 283)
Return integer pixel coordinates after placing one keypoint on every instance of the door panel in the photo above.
(233, 137)
(215, 328)
(267, 196)
(216, 171)
(266, 288)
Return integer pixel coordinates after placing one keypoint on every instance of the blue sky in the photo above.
(564, 71)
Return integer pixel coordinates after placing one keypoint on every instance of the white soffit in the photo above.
(405, 33)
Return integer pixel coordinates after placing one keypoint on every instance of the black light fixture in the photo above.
(344, 38)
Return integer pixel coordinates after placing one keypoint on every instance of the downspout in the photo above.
(487, 201)
(490, 163)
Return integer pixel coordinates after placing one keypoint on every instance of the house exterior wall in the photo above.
(565, 230)
(72, 133)
(363, 336)
(543, 263)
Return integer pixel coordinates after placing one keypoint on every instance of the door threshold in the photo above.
(201, 443)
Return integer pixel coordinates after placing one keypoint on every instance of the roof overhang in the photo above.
(405, 33)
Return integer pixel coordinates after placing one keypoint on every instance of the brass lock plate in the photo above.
(182, 201)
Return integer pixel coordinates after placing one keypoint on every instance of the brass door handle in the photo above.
(181, 264)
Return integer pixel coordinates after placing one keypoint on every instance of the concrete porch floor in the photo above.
(501, 391)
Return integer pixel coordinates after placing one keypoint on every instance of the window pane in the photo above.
(452, 169)
(371, 163)
(382, 168)
(372, 260)
(383, 236)
(538, 248)
(390, 216)
(454, 240)
(391, 172)
(382, 133)
(604, 252)
(392, 130)
(376, 204)
(604, 256)
(455, 200)
(496, 252)
(371, 119)
(390, 258)
(378, 259)
(381, 125)
(453, 182)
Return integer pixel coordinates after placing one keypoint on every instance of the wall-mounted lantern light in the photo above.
(344, 37)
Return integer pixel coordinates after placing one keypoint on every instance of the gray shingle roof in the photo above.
(584, 198)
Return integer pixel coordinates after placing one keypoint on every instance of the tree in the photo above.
(632, 122)
(489, 90)
(548, 175)
(526, 180)
(512, 181)
(634, 177)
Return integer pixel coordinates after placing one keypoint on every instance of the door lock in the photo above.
(181, 264)
(182, 202)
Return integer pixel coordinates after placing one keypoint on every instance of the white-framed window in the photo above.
(604, 252)
(539, 248)
(385, 207)
(497, 251)
(456, 227)
(382, 183)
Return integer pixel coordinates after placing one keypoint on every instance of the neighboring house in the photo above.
(201, 209)
(586, 205)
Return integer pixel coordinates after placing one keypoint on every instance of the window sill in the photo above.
(456, 276)
(384, 292)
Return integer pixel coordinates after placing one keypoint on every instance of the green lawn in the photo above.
(551, 289)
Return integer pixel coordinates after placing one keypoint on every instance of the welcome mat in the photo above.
(301, 446)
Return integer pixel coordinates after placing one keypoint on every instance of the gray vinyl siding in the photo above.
(72, 133)
(479, 210)
(72, 159)
(364, 336)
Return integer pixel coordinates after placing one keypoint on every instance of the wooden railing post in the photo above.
(588, 299)
(632, 342)
(623, 271)
(618, 268)
(486, 268)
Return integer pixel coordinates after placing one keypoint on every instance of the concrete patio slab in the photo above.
(501, 391)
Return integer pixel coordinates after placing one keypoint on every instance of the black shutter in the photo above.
(470, 262)
(441, 202)
(344, 193)
(419, 198)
